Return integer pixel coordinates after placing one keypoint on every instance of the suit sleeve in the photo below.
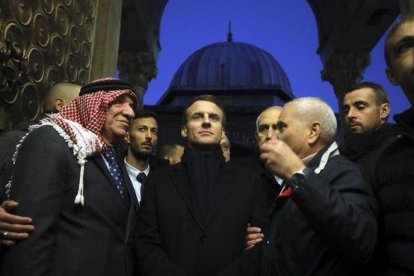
(248, 264)
(341, 209)
(152, 259)
(261, 204)
(38, 185)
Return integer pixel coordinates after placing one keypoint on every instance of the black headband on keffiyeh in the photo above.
(107, 84)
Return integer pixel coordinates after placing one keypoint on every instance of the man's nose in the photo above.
(270, 133)
(206, 120)
(148, 134)
(350, 113)
(128, 111)
(277, 133)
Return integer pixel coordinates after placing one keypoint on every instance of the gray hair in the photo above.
(267, 109)
(315, 109)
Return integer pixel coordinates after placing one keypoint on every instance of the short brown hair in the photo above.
(381, 96)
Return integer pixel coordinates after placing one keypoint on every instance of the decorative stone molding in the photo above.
(52, 40)
(345, 70)
(407, 7)
(137, 68)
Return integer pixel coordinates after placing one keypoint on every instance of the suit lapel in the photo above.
(182, 183)
(277, 204)
(223, 185)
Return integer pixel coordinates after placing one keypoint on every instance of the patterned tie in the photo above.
(109, 155)
(142, 177)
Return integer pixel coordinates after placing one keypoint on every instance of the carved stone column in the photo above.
(138, 69)
(345, 70)
(407, 6)
(106, 38)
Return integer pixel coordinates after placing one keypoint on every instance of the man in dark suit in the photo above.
(142, 138)
(194, 214)
(68, 180)
(265, 129)
(17, 227)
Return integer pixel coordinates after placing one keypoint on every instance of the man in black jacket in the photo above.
(323, 220)
(17, 227)
(194, 214)
(366, 109)
(394, 174)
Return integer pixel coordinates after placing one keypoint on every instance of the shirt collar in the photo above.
(134, 171)
(279, 180)
(308, 158)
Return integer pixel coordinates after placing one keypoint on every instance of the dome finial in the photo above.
(229, 34)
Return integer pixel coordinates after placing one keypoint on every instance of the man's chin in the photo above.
(206, 145)
(355, 130)
(141, 154)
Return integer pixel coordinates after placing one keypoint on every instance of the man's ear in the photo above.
(58, 104)
(390, 76)
(256, 135)
(184, 131)
(385, 110)
(314, 132)
(128, 138)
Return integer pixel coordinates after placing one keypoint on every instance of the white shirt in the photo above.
(133, 173)
(279, 180)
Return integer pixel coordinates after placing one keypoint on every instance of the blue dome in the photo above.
(231, 65)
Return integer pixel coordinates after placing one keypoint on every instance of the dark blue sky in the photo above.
(286, 29)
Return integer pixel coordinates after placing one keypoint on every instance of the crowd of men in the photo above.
(84, 194)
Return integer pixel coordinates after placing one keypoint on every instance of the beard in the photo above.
(140, 155)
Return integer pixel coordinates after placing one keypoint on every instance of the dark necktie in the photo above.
(142, 177)
(114, 170)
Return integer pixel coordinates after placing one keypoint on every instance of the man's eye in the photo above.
(346, 110)
(141, 129)
(197, 117)
(404, 46)
(154, 131)
(280, 126)
(263, 128)
(215, 118)
(361, 107)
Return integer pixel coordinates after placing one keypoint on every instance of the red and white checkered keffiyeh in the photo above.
(81, 123)
(90, 112)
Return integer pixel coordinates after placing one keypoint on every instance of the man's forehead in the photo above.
(269, 116)
(123, 98)
(144, 121)
(363, 94)
(204, 107)
(404, 30)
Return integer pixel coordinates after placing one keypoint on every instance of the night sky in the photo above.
(286, 29)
